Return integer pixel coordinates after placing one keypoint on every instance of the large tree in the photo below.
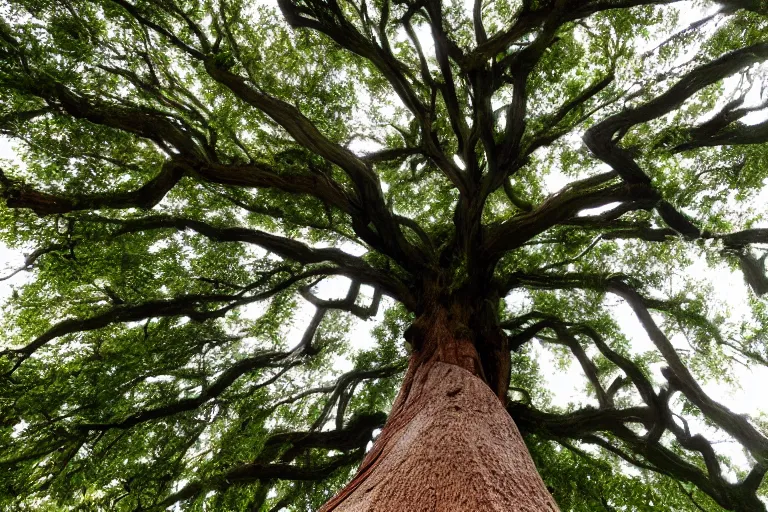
(491, 181)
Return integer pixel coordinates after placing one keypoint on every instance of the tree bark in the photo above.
(449, 444)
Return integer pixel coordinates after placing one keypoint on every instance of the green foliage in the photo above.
(196, 178)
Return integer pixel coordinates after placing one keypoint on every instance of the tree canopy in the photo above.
(189, 177)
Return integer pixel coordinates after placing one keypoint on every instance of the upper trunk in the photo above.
(449, 444)
(461, 327)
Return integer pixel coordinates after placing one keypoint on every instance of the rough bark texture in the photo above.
(449, 445)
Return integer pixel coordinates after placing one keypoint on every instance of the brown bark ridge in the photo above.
(449, 444)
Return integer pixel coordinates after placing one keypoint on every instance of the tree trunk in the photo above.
(449, 445)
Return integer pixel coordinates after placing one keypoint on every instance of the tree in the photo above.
(191, 175)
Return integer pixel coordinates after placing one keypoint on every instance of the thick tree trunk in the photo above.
(449, 444)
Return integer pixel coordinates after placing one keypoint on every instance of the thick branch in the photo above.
(367, 186)
(284, 247)
(679, 375)
(18, 195)
(600, 138)
(564, 205)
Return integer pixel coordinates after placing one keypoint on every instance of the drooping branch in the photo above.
(602, 282)
(155, 125)
(590, 370)
(345, 382)
(583, 425)
(281, 360)
(287, 447)
(211, 392)
(735, 244)
(736, 134)
(679, 375)
(19, 195)
(655, 416)
(282, 246)
(194, 306)
(350, 439)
